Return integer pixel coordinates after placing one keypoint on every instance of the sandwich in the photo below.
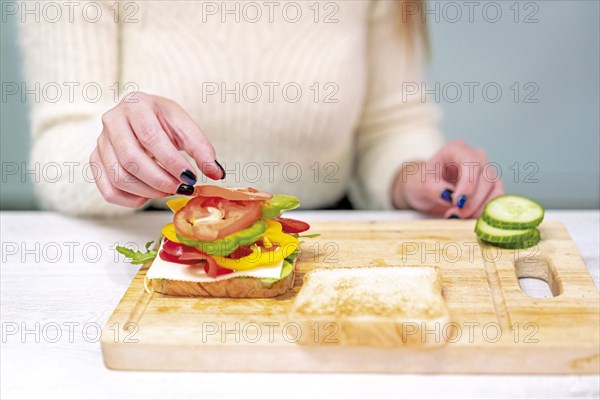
(225, 242)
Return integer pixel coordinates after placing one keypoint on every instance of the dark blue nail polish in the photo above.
(454, 216)
(447, 195)
(222, 169)
(189, 177)
(461, 201)
(186, 190)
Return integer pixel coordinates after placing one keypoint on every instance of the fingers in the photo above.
(188, 136)
(484, 190)
(472, 188)
(498, 190)
(440, 192)
(135, 160)
(426, 191)
(110, 193)
(151, 136)
(121, 178)
(140, 144)
(478, 198)
(470, 175)
(463, 170)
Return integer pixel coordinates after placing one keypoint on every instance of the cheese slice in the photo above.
(161, 269)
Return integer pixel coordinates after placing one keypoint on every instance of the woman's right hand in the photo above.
(137, 154)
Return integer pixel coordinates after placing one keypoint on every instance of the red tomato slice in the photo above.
(213, 270)
(174, 259)
(181, 253)
(178, 249)
(289, 225)
(191, 257)
(241, 252)
(211, 218)
(231, 193)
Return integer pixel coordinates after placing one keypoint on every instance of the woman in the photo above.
(304, 98)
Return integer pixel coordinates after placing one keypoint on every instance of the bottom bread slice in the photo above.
(373, 306)
(241, 287)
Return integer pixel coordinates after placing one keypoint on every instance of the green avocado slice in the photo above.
(228, 244)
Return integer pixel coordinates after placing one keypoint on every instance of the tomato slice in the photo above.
(210, 266)
(178, 249)
(211, 218)
(181, 254)
(198, 258)
(289, 225)
(174, 259)
(231, 193)
(240, 252)
(213, 270)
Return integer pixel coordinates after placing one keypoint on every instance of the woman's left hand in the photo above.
(456, 183)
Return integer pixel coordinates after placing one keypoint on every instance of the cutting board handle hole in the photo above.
(538, 277)
(534, 287)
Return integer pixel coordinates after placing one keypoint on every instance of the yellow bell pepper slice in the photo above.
(287, 244)
(177, 204)
(168, 231)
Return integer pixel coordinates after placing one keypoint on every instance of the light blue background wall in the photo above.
(14, 128)
(552, 143)
(559, 54)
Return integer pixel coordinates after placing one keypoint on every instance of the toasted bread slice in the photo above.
(239, 287)
(372, 306)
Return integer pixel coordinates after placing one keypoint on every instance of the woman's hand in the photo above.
(456, 183)
(137, 154)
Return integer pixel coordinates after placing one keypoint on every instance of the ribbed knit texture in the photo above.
(358, 142)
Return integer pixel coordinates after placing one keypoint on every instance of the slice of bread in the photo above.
(372, 306)
(239, 287)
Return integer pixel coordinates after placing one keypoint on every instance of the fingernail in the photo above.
(454, 216)
(186, 190)
(447, 195)
(189, 177)
(222, 169)
(461, 201)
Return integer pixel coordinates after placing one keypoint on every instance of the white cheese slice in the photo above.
(161, 269)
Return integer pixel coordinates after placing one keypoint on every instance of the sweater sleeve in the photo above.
(72, 65)
(396, 125)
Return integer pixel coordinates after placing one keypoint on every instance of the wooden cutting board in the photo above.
(495, 328)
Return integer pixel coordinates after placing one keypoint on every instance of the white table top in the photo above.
(75, 282)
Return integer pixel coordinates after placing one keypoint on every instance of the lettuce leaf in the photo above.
(288, 267)
(279, 203)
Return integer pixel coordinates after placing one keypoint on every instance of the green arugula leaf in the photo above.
(137, 257)
(314, 235)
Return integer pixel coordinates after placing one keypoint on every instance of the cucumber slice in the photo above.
(529, 242)
(495, 235)
(513, 212)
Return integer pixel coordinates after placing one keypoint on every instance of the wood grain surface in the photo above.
(494, 328)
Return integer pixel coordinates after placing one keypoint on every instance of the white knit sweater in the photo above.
(314, 108)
